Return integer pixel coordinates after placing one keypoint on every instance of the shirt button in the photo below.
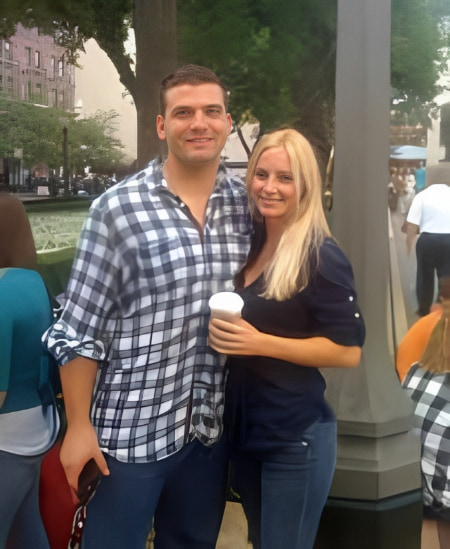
(356, 315)
(350, 298)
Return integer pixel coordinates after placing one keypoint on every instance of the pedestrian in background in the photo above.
(300, 314)
(29, 421)
(429, 217)
(143, 391)
(428, 384)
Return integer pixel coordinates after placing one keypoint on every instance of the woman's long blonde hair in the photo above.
(436, 355)
(289, 270)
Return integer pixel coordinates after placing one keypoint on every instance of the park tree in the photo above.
(35, 133)
(416, 59)
(276, 56)
(73, 22)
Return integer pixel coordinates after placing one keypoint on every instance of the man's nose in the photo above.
(198, 120)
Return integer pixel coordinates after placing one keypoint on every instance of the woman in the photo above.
(28, 419)
(428, 384)
(300, 314)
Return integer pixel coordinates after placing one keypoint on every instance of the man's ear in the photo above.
(160, 127)
(230, 123)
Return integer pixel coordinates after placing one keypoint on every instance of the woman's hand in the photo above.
(234, 338)
(241, 338)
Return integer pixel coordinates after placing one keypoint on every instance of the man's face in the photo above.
(195, 124)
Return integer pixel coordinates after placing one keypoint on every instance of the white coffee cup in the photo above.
(226, 305)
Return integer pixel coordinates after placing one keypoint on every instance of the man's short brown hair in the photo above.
(189, 74)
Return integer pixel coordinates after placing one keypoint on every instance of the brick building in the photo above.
(33, 68)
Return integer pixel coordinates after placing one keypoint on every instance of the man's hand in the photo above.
(79, 446)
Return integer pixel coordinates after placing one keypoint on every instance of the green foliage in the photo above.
(37, 132)
(276, 56)
(414, 51)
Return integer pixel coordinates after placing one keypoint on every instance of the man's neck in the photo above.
(192, 184)
(195, 180)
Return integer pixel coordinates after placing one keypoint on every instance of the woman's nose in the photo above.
(270, 184)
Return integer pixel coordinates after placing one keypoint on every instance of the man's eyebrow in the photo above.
(211, 106)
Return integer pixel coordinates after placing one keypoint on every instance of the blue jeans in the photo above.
(20, 518)
(283, 496)
(184, 494)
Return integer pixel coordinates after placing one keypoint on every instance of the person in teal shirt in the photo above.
(29, 421)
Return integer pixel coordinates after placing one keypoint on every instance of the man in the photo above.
(133, 333)
(429, 215)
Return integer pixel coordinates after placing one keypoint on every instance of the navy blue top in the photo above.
(270, 401)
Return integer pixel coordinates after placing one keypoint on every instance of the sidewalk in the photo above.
(233, 533)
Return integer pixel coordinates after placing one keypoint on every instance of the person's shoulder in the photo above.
(230, 179)
(436, 189)
(7, 199)
(334, 264)
(26, 278)
(121, 192)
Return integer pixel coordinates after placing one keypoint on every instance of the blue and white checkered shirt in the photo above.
(431, 393)
(137, 302)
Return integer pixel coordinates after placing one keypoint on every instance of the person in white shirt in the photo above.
(429, 216)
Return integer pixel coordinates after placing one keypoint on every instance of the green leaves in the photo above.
(37, 132)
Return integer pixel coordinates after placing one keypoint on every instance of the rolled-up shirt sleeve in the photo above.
(88, 320)
(332, 297)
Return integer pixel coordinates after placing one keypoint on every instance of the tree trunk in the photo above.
(155, 28)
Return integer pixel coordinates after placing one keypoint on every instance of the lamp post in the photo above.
(65, 162)
(376, 498)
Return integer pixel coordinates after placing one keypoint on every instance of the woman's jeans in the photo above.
(20, 518)
(184, 493)
(283, 496)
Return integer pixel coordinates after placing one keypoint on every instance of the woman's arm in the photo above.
(241, 338)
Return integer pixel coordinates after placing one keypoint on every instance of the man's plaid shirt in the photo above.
(431, 392)
(137, 302)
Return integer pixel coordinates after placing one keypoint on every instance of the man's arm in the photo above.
(80, 441)
(412, 231)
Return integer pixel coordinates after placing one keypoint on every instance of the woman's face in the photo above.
(273, 188)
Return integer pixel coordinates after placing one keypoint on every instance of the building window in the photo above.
(8, 82)
(8, 50)
(54, 98)
(61, 99)
(28, 55)
(61, 67)
(52, 67)
(29, 89)
(37, 59)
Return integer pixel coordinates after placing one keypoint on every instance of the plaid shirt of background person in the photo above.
(431, 392)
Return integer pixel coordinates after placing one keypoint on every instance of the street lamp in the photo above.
(65, 162)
